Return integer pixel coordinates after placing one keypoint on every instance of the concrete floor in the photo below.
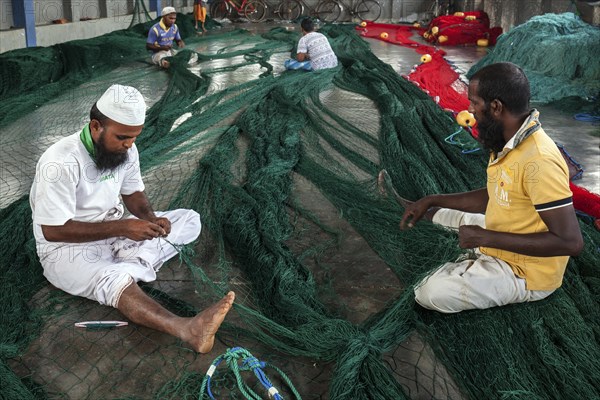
(134, 362)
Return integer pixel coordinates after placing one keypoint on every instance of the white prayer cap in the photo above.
(168, 10)
(123, 104)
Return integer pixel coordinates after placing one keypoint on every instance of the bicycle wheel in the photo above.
(290, 10)
(328, 11)
(368, 10)
(219, 9)
(255, 10)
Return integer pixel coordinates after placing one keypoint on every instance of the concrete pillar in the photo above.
(396, 13)
(590, 14)
(470, 5)
(24, 17)
(72, 10)
(403, 10)
(533, 8)
(103, 9)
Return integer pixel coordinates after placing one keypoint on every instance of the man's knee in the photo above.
(438, 295)
(426, 297)
(294, 65)
(110, 286)
(194, 219)
(191, 226)
(195, 225)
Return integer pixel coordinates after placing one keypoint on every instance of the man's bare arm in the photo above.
(147, 227)
(156, 47)
(473, 202)
(81, 232)
(138, 204)
(563, 237)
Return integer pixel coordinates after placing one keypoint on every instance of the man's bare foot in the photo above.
(384, 181)
(203, 327)
(165, 64)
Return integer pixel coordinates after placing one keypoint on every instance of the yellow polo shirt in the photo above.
(532, 177)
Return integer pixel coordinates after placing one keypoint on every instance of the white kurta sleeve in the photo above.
(55, 201)
(132, 179)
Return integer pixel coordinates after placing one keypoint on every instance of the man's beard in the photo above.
(106, 160)
(491, 132)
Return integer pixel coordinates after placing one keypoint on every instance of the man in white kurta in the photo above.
(86, 246)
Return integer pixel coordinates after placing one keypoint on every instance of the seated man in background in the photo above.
(86, 247)
(161, 37)
(523, 241)
(314, 51)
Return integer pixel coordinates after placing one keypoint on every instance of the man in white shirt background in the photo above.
(314, 51)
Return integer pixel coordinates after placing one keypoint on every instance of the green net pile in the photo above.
(558, 52)
(281, 167)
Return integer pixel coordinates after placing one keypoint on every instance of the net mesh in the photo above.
(282, 170)
(545, 43)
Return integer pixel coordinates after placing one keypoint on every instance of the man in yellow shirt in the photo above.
(523, 241)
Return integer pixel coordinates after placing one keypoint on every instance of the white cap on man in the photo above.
(168, 10)
(123, 104)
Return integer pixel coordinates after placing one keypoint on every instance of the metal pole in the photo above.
(155, 6)
(24, 17)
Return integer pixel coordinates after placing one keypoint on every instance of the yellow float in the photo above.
(465, 118)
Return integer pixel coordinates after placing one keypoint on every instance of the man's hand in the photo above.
(164, 223)
(470, 236)
(414, 212)
(302, 57)
(139, 229)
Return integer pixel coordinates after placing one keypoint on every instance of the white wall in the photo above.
(47, 11)
(48, 35)
(108, 16)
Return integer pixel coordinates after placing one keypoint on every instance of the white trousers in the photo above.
(476, 282)
(103, 269)
(159, 55)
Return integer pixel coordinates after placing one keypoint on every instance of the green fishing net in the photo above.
(558, 52)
